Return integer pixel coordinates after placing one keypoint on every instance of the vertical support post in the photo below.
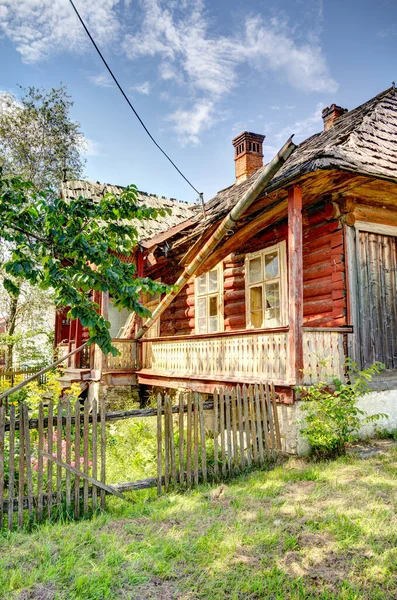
(105, 315)
(78, 341)
(295, 284)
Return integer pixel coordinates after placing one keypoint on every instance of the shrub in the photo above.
(332, 418)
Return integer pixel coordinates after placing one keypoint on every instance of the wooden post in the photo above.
(295, 284)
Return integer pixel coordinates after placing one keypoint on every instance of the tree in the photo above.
(38, 139)
(41, 143)
(73, 248)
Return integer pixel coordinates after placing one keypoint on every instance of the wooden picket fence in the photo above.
(245, 432)
(52, 463)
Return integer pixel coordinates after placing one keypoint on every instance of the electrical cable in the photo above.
(128, 101)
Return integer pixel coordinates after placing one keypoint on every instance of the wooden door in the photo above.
(376, 299)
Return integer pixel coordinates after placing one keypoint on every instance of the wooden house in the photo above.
(305, 278)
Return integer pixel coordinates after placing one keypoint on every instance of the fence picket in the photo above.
(216, 445)
(77, 458)
(103, 451)
(181, 439)
(166, 447)
(86, 456)
(189, 441)
(276, 421)
(68, 454)
(21, 468)
(11, 469)
(270, 417)
(59, 454)
(2, 472)
(94, 454)
(196, 438)
(49, 463)
(254, 435)
(159, 446)
(29, 481)
(247, 427)
(234, 429)
(240, 427)
(222, 427)
(202, 440)
(259, 428)
(40, 463)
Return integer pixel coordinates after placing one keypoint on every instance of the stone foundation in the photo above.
(120, 397)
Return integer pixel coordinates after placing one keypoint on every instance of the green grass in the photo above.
(300, 531)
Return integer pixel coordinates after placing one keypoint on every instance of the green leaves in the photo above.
(73, 247)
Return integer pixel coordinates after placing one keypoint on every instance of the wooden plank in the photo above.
(222, 426)
(172, 441)
(247, 426)
(202, 440)
(28, 455)
(216, 442)
(270, 417)
(189, 441)
(2, 431)
(21, 467)
(11, 468)
(103, 451)
(50, 431)
(181, 440)
(258, 414)
(166, 447)
(159, 446)
(234, 428)
(295, 283)
(86, 436)
(59, 454)
(240, 427)
(264, 419)
(228, 431)
(275, 418)
(254, 436)
(94, 453)
(77, 459)
(83, 475)
(68, 439)
(40, 463)
(196, 439)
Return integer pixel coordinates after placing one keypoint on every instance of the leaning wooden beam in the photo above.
(223, 228)
(88, 478)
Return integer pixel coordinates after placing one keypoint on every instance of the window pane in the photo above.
(202, 283)
(202, 308)
(256, 307)
(213, 324)
(255, 270)
(273, 303)
(213, 306)
(202, 325)
(213, 281)
(271, 265)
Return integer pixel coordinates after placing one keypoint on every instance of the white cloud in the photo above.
(41, 28)
(142, 88)
(101, 80)
(188, 124)
(91, 148)
(305, 127)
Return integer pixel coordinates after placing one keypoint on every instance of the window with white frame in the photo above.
(266, 287)
(208, 301)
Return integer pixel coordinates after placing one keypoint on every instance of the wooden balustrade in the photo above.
(323, 355)
(127, 360)
(258, 355)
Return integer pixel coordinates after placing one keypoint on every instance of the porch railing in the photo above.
(323, 355)
(127, 360)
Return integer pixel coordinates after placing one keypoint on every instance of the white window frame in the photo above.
(208, 295)
(281, 248)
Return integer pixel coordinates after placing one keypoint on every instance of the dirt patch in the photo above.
(124, 526)
(315, 540)
(155, 589)
(245, 556)
(39, 592)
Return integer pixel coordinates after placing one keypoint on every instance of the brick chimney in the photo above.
(248, 155)
(330, 114)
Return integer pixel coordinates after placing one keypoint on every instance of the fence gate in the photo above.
(52, 463)
(242, 431)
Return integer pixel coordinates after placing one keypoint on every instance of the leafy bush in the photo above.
(332, 418)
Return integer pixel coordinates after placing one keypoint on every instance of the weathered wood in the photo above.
(159, 446)
(234, 429)
(77, 459)
(252, 416)
(270, 417)
(264, 419)
(28, 455)
(181, 439)
(2, 429)
(68, 454)
(216, 433)
(189, 440)
(103, 451)
(59, 455)
(222, 400)
(11, 468)
(202, 440)
(50, 431)
(166, 446)
(196, 438)
(258, 423)
(86, 455)
(21, 467)
(240, 427)
(295, 283)
(247, 427)
(94, 453)
(84, 476)
(172, 441)
(40, 463)
(228, 431)
(275, 418)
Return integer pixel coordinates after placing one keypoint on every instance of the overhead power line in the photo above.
(129, 103)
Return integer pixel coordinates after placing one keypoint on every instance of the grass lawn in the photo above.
(300, 531)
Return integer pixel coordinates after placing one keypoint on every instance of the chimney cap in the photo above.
(256, 137)
(331, 113)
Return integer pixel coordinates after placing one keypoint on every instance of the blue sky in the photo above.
(198, 72)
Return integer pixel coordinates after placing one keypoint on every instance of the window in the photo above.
(208, 295)
(266, 287)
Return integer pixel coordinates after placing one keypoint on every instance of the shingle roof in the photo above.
(362, 141)
(181, 211)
